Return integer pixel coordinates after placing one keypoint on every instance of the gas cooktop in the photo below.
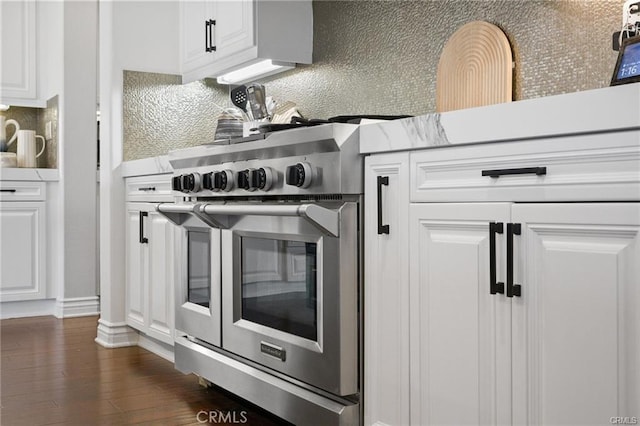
(317, 160)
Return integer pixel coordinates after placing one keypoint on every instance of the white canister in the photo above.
(27, 148)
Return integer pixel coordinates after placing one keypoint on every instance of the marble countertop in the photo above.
(146, 166)
(43, 175)
(607, 109)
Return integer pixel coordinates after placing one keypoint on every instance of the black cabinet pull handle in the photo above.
(212, 45)
(512, 289)
(7, 190)
(382, 229)
(206, 36)
(148, 188)
(494, 287)
(496, 173)
(142, 238)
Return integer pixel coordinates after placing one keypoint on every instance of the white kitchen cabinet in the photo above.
(221, 36)
(386, 290)
(553, 351)
(18, 47)
(215, 29)
(562, 351)
(22, 250)
(460, 333)
(150, 263)
(576, 327)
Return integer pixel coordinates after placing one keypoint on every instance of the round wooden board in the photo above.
(475, 68)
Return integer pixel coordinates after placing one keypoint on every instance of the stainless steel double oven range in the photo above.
(268, 304)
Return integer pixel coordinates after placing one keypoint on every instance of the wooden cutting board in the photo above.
(475, 68)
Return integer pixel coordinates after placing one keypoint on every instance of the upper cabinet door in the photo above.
(576, 327)
(233, 30)
(212, 30)
(195, 21)
(18, 47)
(223, 36)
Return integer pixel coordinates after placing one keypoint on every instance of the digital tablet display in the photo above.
(627, 68)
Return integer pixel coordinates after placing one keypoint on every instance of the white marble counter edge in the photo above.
(606, 109)
(41, 175)
(147, 166)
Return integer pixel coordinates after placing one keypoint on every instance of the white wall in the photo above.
(146, 36)
(49, 18)
(141, 36)
(77, 159)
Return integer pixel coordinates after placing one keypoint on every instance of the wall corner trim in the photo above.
(115, 335)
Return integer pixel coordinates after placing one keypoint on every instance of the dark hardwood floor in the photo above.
(52, 372)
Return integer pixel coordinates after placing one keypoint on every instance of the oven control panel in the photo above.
(245, 180)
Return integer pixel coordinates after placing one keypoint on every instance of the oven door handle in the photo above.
(179, 213)
(326, 219)
(176, 213)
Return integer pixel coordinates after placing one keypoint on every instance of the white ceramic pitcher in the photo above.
(27, 148)
(3, 132)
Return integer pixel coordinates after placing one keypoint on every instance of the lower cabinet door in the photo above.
(136, 267)
(161, 277)
(386, 290)
(150, 272)
(576, 327)
(22, 251)
(460, 332)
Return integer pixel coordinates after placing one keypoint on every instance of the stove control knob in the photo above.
(176, 183)
(207, 181)
(223, 181)
(262, 178)
(244, 180)
(191, 182)
(299, 175)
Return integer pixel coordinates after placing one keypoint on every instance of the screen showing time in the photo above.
(630, 62)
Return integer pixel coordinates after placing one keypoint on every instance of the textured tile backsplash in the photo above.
(380, 57)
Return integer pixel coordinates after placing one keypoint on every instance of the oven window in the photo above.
(279, 284)
(199, 275)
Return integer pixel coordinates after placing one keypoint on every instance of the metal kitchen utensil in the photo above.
(257, 101)
(239, 97)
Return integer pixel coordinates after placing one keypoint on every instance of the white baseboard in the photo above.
(115, 335)
(157, 347)
(78, 307)
(119, 335)
(61, 308)
(27, 308)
